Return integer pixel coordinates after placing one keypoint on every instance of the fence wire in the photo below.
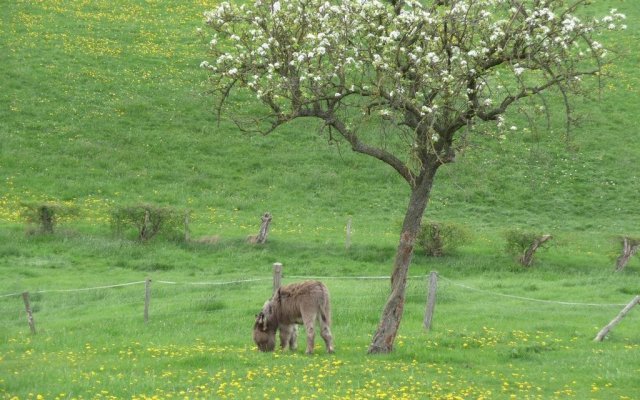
(126, 300)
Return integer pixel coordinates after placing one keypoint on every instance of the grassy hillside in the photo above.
(102, 104)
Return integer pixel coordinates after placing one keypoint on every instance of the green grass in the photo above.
(102, 104)
(481, 343)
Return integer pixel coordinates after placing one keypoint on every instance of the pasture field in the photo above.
(496, 334)
(103, 104)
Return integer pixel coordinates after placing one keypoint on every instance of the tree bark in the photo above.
(629, 249)
(385, 335)
(527, 257)
(437, 249)
(264, 228)
(261, 237)
(47, 218)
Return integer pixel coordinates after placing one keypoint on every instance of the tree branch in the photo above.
(525, 92)
(359, 146)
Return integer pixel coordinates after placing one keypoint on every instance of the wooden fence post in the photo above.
(187, 230)
(147, 298)
(431, 300)
(603, 332)
(277, 276)
(27, 306)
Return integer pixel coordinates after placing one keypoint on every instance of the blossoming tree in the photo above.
(429, 72)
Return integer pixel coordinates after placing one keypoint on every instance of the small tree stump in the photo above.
(47, 218)
(436, 240)
(527, 257)
(261, 237)
(630, 247)
(145, 229)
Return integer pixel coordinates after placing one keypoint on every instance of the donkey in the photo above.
(297, 303)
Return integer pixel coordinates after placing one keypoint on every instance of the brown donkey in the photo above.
(297, 303)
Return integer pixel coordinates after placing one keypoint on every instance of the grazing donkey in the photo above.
(297, 303)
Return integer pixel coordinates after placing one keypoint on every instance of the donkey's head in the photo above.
(264, 330)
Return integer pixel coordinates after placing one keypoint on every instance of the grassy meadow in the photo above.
(103, 104)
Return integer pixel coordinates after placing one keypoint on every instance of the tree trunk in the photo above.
(264, 229)
(392, 313)
(527, 257)
(47, 218)
(437, 248)
(629, 249)
(261, 237)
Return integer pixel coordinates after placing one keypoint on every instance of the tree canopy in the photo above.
(430, 69)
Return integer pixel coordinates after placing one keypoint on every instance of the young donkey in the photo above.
(297, 303)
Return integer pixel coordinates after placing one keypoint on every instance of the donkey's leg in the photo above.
(293, 339)
(309, 322)
(286, 334)
(325, 330)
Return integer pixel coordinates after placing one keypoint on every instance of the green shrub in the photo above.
(149, 221)
(524, 244)
(440, 238)
(45, 215)
(518, 241)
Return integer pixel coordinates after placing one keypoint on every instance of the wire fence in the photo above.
(529, 299)
(219, 303)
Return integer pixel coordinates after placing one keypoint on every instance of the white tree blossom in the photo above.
(304, 50)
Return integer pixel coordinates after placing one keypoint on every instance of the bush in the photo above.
(523, 245)
(440, 238)
(518, 241)
(45, 215)
(149, 221)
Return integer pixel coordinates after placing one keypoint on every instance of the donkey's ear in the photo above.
(262, 322)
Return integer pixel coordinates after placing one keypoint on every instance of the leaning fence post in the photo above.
(277, 276)
(431, 300)
(603, 332)
(27, 306)
(147, 298)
